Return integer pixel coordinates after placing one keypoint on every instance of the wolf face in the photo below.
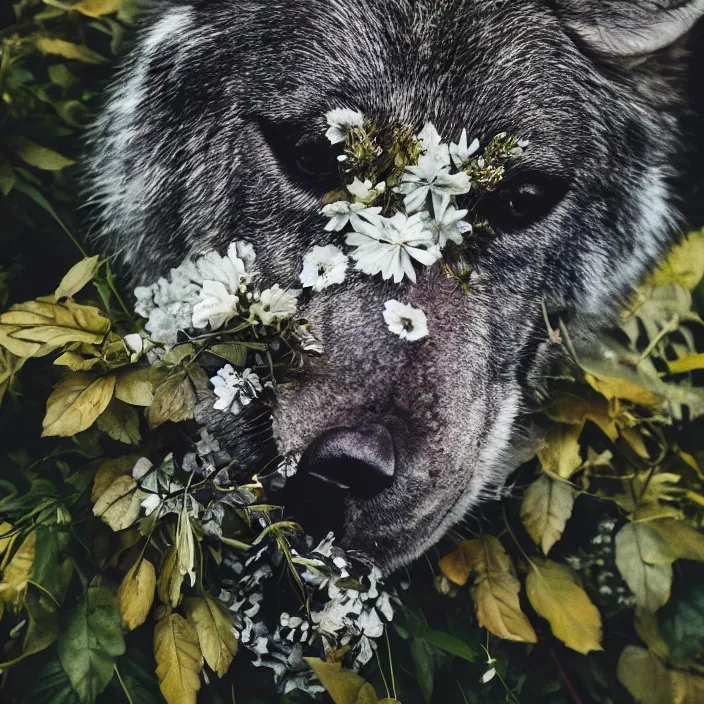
(213, 132)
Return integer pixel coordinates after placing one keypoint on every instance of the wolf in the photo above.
(213, 131)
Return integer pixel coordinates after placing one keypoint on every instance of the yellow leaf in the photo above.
(97, 8)
(645, 563)
(10, 365)
(644, 676)
(575, 410)
(134, 387)
(52, 325)
(119, 506)
(38, 156)
(76, 362)
(77, 277)
(547, 506)
(636, 442)
(686, 687)
(559, 454)
(16, 574)
(76, 52)
(646, 626)
(168, 585)
(178, 659)
(136, 594)
(687, 364)
(683, 541)
(75, 403)
(684, 265)
(215, 632)
(343, 686)
(613, 387)
(496, 587)
(109, 471)
(7, 539)
(556, 596)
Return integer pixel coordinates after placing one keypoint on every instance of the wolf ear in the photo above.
(630, 28)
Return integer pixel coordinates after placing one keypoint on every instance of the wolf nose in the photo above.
(360, 461)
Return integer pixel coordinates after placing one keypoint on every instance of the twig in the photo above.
(565, 678)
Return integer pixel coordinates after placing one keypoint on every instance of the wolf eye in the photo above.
(310, 164)
(524, 200)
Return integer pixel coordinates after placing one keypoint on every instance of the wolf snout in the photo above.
(357, 461)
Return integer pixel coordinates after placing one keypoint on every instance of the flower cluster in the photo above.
(208, 293)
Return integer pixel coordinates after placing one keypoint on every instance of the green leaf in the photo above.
(76, 52)
(7, 178)
(137, 670)
(53, 686)
(424, 662)
(231, 352)
(91, 642)
(644, 676)
(120, 422)
(52, 568)
(77, 277)
(38, 156)
(682, 620)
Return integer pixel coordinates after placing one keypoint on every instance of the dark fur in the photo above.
(183, 163)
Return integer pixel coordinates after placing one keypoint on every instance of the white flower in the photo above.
(145, 300)
(450, 226)
(407, 322)
(207, 443)
(433, 145)
(341, 212)
(488, 675)
(150, 503)
(431, 176)
(341, 121)
(460, 152)
(164, 327)
(234, 390)
(323, 267)
(275, 304)
(388, 249)
(134, 342)
(364, 191)
(216, 306)
(228, 270)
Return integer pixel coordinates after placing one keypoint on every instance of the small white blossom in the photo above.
(228, 270)
(461, 153)
(488, 675)
(388, 250)
(342, 212)
(150, 503)
(275, 304)
(235, 390)
(216, 306)
(323, 267)
(407, 322)
(341, 121)
(207, 444)
(364, 192)
(450, 226)
(433, 146)
(431, 176)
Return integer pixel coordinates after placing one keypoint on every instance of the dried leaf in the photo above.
(644, 676)
(690, 363)
(547, 506)
(10, 365)
(496, 587)
(575, 410)
(136, 594)
(557, 597)
(687, 688)
(76, 362)
(120, 422)
(645, 563)
(75, 403)
(178, 658)
(133, 386)
(120, 505)
(215, 632)
(560, 452)
(78, 276)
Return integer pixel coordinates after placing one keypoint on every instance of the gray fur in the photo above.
(181, 165)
